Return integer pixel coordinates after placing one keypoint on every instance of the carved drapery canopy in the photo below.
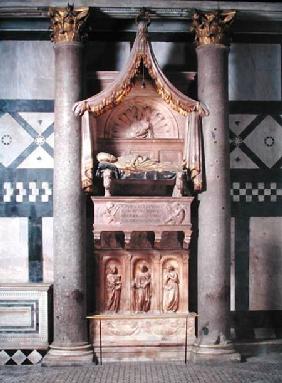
(113, 95)
(67, 23)
(212, 27)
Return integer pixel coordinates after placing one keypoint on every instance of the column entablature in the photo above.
(68, 24)
(212, 27)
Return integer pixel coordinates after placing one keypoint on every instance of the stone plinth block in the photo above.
(24, 315)
(70, 355)
(142, 336)
(218, 352)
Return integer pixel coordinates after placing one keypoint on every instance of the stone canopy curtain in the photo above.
(193, 150)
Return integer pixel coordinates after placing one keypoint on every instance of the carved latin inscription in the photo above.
(142, 213)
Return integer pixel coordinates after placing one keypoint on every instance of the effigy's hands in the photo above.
(79, 108)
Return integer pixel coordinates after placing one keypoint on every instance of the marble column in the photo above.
(214, 209)
(70, 346)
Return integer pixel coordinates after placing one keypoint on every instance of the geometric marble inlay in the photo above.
(265, 141)
(50, 140)
(19, 357)
(14, 139)
(40, 191)
(238, 122)
(4, 357)
(39, 121)
(34, 357)
(256, 192)
(239, 160)
(24, 140)
(38, 159)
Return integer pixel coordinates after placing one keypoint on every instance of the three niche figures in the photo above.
(142, 289)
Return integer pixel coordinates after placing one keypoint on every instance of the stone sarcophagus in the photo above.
(142, 214)
(142, 288)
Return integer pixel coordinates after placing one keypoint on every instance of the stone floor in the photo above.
(263, 369)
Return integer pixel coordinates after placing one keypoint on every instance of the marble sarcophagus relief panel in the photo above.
(138, 281)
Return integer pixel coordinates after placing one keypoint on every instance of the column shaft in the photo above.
(70, 326)
(69, 273)
(214, 209)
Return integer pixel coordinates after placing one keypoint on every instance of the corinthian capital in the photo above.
(67, 23)
(212, 27)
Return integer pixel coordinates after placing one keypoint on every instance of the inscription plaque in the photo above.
(116, 211)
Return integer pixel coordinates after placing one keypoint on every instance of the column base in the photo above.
(216, 353)
(75, 355)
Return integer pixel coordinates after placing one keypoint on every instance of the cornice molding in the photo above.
(251, 17)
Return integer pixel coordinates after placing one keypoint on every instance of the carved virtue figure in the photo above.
(171, 290)
(177, 216)
(142, 286)
(109, 214)
(113, 286)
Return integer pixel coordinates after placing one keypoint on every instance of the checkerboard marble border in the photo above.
(24, 191)
(256, 192)
(21, 356)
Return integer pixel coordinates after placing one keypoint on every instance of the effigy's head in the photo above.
(106, 157)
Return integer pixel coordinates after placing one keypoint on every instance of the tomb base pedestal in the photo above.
(142, 337)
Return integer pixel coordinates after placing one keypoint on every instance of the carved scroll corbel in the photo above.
(97, 239)
(158, 238)
(127, 239)
(187, 239)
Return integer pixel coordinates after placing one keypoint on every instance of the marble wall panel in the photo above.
(232, 266)
(47, 249)
(13, 250)
(170, 54)
(24, 316)
(265, 263)
(255, 72)
(27, 140)
(101, 55)
(26, 70)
